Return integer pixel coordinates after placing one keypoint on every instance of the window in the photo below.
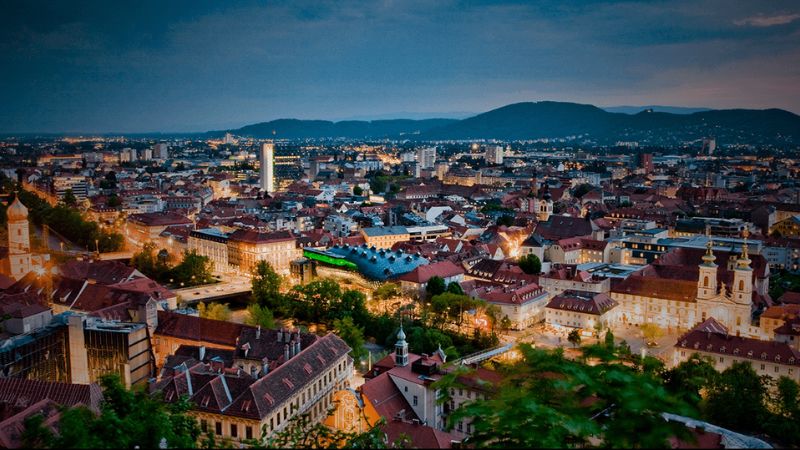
(234, 430)
(705, 281)
(204, 425)
(248, 432)
(461, 426)
(405, 388)
(415, 400)
(218, 428)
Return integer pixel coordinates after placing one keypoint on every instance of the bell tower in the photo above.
(707, 282)
(401, 349)
(742, 288)
(19, 241)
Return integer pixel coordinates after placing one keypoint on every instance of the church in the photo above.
(20, 259)
(675, 293)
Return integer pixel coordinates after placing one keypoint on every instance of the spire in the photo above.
(709, 258)
(401, 348)
(744, 259)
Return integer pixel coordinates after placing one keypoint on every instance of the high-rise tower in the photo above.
(267, 170)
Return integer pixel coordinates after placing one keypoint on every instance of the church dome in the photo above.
(401, 336)
(16, 211)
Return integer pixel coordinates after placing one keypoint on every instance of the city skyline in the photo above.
(92, 67)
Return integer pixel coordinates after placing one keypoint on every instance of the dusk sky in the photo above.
(100, 66)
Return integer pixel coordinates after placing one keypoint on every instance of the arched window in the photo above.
(741, 285)
(705, 281)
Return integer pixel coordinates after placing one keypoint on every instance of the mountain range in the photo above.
(555, 121)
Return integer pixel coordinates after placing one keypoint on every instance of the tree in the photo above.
(651, 332)
(260, 315)
(455, 288)
(386, 292)
(548, 400)
(127, 419)
(69, 198)
(609, 339)
(574, 337)
(357, 191)
(506, 220)
(266, 289)
(737, 398)
(113, 201)
(530, 264)
(194, 269)
(691, 377)
(215, 311)
(435, 286)
(352, 334)
(314, 299)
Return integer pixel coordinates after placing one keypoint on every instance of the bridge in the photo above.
(483, 355)
(213, 292)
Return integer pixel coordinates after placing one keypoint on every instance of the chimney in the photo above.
(280, 335)
(299, 347)
(265, 367)
(287, 336)
(286, 352)
(258, 332)
(202, 353)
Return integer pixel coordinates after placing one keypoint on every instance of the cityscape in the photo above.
(260, 253)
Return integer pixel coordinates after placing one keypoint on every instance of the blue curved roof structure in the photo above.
(375, 263)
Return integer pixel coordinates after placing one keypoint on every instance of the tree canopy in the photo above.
(530, 264)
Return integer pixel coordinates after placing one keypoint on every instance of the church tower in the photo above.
(19, 241)
(742, 288)
(401, 349)
(707, 283)
(544, 206)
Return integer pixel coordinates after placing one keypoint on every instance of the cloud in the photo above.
(767, 21)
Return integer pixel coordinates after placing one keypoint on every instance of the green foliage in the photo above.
(193, 269)
(215, 311)
(260, 315)
(353, 335)
(127, 419)
(435, 286)
(147, 262)
(582, 190)
(506, 220)
(455, 288)
(651, 332)
(530, 264)
(574, 337)
(302, 432)
(113, 201)
(547, 400)
(357, 191)
(691, 378)
(266, 289)
(68, 222)
(609, 339)
(69, 198)
(427, 340)
(736, 399)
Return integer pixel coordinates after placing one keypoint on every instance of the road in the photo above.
(54, 242)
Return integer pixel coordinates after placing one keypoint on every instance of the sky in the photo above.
(197, 65)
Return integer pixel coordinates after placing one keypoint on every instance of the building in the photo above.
(426, 157)
(370, 262)
(494, 154)
(712, 339)
(385, 237)
(213, 244)
(161, 151)
(247, 247)
(267, 167)
(274, 376)
(20, 260)
(645, 162)
(75, 348)
(22, 399)
(671, 294)
(584, 310)
(75, 183)
(147, 227)
(416, 281)
(522, 303)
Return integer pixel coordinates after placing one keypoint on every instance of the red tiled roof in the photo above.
(584, 302)
(21, 393)
(712, 337)
(159, 219)
(425, 272)
(421, 436)
(386, 398)
(257, 237)
(198, 329)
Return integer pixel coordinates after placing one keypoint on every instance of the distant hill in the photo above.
(655, 108)
(352, 129)
(557, 120)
